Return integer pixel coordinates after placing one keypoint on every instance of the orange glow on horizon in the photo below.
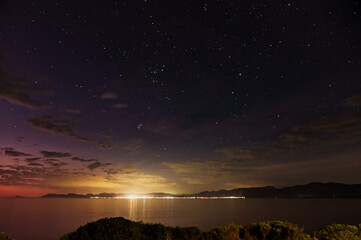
(24, 191)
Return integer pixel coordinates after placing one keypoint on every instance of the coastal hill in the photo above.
(311, 190)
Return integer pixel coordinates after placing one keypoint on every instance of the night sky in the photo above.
(178, 96)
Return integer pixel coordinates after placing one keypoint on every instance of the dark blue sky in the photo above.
(178, 96)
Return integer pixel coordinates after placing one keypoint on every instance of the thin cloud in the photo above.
(320, 136)
(354, 101)
(83, 160)
(32, 159)
(72, 110)
(94, 165)
(35, 164)
(97, 164)
(59, 164)
(108, 136)
(120, 170)
(13, 153)
(109, 95)
(31, 174)
(80, 138)
(47, 123)
(163, 125)
(50, 161)
(55, 154)
(120, 105)
(132, 145)
(16, 91)
(57, 127)
(105, 146)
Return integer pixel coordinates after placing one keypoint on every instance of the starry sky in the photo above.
(178, 96)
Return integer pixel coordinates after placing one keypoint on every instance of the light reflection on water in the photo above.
(45, 219)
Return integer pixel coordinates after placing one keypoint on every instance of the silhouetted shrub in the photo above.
(120, 228)
(273, 230)
(229, 232)
(180, 233)
(338, 232)
(4, 236)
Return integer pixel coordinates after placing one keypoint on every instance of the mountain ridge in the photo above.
(310, 190)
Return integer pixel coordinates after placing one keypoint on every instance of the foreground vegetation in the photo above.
(4, 236)
(122, 229)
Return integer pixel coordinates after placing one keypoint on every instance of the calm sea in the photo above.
(46, 219)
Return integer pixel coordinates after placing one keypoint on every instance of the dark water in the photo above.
(46, 219)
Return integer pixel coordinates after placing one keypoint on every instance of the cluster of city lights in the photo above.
(170, 197)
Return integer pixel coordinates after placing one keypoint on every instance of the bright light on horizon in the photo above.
(135, 197)
(170, 197)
